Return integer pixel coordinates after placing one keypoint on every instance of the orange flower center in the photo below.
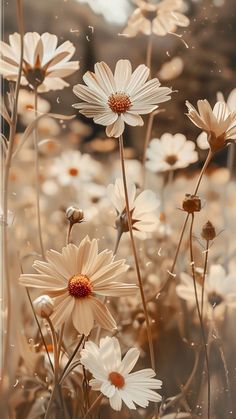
(80, 286)
(73, 171)
(119, 102)
(116, 379)
(171, 159)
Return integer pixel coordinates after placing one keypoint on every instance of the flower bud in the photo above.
(208, 231)
(75, 215)
(191, 203)
(43, 306)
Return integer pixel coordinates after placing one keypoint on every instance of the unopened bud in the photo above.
(75, 215)
(43, 306)
(122, 223)
(191, 203)
(208, 231)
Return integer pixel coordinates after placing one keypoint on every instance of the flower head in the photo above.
(170, 152)
(74, 278)
(142, 208)
(220, 288)
(113, 100)
(219, 123)
(72, 167)
(161, 18)
(113, 378)
(44, 63)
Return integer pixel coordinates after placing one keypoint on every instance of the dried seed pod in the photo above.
(74, 215)
(208, 231)
(191, 203)
(43, 306)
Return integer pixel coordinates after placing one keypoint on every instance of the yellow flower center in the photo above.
(80, 286)
(116, 379)
(73, 171)
(119, 102)
(171, 159)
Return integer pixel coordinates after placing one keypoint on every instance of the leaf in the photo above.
(31, 127)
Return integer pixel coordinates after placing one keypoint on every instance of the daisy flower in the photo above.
(219, 123)
(170, 152)
(113, 100)
(72, 167)
(26, 106)
(113, 378)
(142, 208)
(220, 288)
(74, 278)
(44, 63)
(161, 18)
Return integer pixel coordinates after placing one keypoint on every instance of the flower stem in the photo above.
(171, 273)
(93, 406)
(5, 185)
(40, 330)
(200, 318)
(37, 176)
(70, 360)
(204, 275)
(68, 233)
(149, 53)
(56, 368)
(149, 332)
(147, 140)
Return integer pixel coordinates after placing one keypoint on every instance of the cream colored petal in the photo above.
(122, 75)
(105, 77)
(116, 129)
(83, 316)
(102, 315)
(132, 119)
(138, 78)
(63, 307)
(44, 282)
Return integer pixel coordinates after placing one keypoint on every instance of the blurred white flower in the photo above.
(219, 123)
(113, 100)
(113, 11)
(161, 18)
(170, 152)
(74, 278)
(72, 167)
(113, 377)
(142, 208)
(44, 65)
(25, 107)
(220, 288)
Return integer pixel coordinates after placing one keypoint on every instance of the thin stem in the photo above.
(71, 359)
(147, 139)
(37, 176)
(230, 158)
(171, 273)
(68, 233)
(186, 386)
(149, 53)
(93, 406)
(204, 167)
(40, 330)
(200, 318)
(149, 332)
(118, 237)
(56, 369)
(5, 185)
(204, 275)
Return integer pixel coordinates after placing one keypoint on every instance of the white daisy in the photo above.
(72, 167)
(170, 152)
(161, 18)
(220, 288)
(142, 208)
(113, 100)
(44, 63)
(74, 277)
(113, 378)
(219, 123)
(25, 106)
